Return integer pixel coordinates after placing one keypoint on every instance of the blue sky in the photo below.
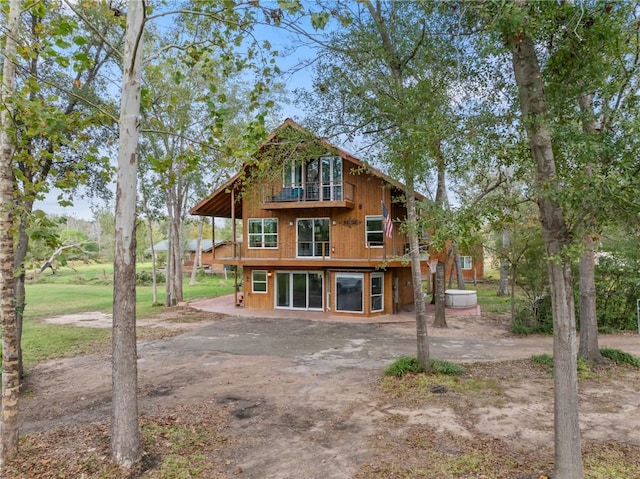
(291, 53)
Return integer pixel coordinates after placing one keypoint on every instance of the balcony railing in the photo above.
(310, 191)
(335, 251)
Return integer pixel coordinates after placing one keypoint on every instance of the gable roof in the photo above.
(218, 203)
(190, 245)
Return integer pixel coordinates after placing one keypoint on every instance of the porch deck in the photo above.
(226, 305)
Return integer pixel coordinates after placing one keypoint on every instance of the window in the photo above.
(374, 234)
(259, 281)
(349, 292)
(466, 262)
(377, 292)
(293, 174)
(263, 233)
(331, 178)
(313, 237)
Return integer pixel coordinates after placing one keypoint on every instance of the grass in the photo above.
(47, 341)
(409, 365)
(585, 370)
(489, 301)
(88, 288)
(620, 357)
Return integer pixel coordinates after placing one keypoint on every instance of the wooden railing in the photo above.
(326, 250)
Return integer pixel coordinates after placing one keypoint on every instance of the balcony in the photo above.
(323, 254)
(308, 195)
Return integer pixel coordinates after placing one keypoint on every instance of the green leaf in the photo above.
(319, 20)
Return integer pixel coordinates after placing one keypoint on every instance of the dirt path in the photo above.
(303, 396)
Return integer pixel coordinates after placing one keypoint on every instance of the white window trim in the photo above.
(298, 239)
(371, 295)
(366, 231)
(249, 234)
(361, 292)
(463, 261)
(265, 282)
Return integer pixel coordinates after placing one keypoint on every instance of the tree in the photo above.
(59, 117)
(125, 434)
(591, 85)
(503, 285)
(205, 18)
(386, 75)
(9, 429)
(533, 104)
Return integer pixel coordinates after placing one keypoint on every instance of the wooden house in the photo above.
(320, 229)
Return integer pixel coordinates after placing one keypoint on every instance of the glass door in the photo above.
(331, 174)
(300, 290)
(313, 237)
(299, 283)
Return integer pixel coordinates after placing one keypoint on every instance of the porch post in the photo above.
(233, 244)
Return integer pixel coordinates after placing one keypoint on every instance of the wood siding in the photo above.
(347, 238)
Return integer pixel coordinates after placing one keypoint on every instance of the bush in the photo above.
(404, 365)
(144, 278)
(447, 368)
(620, 357)
(409, 365)
(534, 318)
(545, 360)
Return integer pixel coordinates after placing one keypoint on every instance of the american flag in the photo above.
(386, 221)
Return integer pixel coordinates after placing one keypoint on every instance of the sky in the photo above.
(291, 52)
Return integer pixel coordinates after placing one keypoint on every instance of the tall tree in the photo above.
(62, 118)
(125, 434)
(528, 77)
(9, 431)
(386, 76)
(592, 74)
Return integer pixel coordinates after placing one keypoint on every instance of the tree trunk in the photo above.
(125, 434)
(9, 426)
(589, 348)
(456, 261)
(22, 245)
(440, 319)
(198, 256)
(175, 246)
(154, 260)
(174, 262)
(416, 276)
(528, 77)
(441, 200)
(503, 287)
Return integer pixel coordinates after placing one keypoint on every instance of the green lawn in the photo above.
(88, 288)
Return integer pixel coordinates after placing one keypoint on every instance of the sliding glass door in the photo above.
(300, 290)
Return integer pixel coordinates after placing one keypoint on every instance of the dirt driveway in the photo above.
(304, 394)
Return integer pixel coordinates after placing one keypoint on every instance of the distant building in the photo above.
(212, 258)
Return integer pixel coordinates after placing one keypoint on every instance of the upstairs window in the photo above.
(374, 233)
(263, 233)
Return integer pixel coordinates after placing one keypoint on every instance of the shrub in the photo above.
(409, 365)
(438, 366)
(535, 317)
(404, 365)
(144, 278)
(545, 360)
(620, 357)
